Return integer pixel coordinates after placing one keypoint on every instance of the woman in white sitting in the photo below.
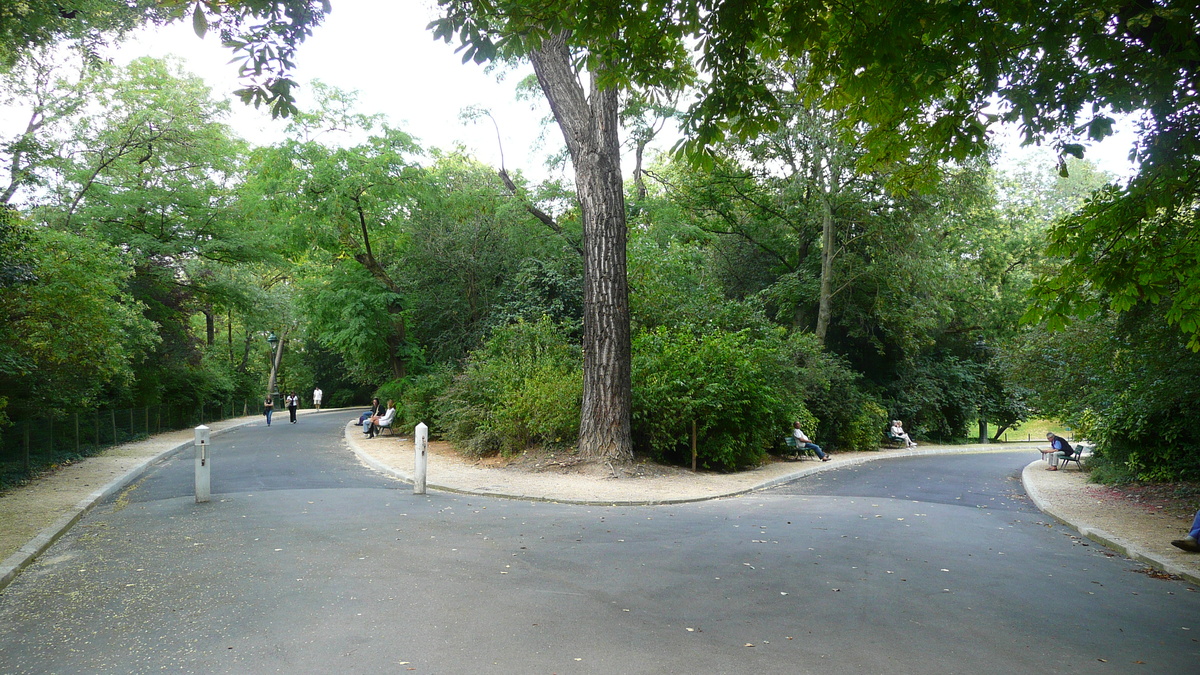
(898, 431)
(373, 425)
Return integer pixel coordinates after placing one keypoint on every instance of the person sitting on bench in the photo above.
(369, 414)
(897, 431)
(803, 441)
(373, 426)
(1059, 449)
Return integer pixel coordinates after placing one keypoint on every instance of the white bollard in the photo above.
(421, 460)
(203, 466)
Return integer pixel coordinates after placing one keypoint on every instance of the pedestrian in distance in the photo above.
(1190, 543)
(293, 402)
(317, 395)
(803, 441)
(268, 408)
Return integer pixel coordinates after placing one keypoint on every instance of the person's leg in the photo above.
(269, 411)
(1190, 543)
(817, 449)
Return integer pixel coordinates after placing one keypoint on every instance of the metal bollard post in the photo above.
(203, 466)
(421, 448)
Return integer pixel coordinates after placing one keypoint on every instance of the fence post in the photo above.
(131, 429)
(112, 415)
(146, 412)
(421, 451)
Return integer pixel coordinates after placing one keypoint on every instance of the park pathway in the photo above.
(306, 562)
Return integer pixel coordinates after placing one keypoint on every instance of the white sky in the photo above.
(382, 50)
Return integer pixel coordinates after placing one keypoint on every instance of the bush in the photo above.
(737, 388)
(849, 418)
(523, 387)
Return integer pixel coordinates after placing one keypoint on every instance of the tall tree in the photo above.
(345, 203)
(584, 94)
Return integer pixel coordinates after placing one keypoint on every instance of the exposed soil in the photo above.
(1177, 500)
(568, 462)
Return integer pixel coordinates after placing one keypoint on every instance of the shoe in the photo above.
(1188, 544)
(826, 458)
(1052, 468)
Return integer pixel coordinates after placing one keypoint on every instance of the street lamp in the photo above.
(276, 355)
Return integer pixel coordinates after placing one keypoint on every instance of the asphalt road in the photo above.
(305, 562)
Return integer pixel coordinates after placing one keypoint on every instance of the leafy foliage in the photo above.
(732, 385)
(522, 387)
(71, 330)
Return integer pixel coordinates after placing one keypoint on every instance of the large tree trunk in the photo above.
(589, 125)
(829, 191)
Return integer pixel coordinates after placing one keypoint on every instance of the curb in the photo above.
(17, 562)
(406, 477)
(1125, 548)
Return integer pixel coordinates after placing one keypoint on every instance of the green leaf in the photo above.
(199, 21)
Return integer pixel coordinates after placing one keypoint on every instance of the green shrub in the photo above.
(737, 388)
(865, 428)
(523, 387)
(849, 418)
(417, 399)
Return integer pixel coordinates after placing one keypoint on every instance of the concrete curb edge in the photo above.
(1097, 535)
(12, 566)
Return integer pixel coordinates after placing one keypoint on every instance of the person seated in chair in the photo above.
(369, 414)
(803, 441)
(1059, 449)
(897, 430)
(372, 426)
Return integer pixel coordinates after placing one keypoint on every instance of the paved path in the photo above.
(304, 562)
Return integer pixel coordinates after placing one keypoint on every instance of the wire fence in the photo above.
(29, 447)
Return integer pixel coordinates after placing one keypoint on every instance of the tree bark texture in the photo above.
(829, 192)
(589, 126)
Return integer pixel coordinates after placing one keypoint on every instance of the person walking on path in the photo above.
(268, 408)
(317, 394)
(805, 442)
(1190, 543)
(293, 402)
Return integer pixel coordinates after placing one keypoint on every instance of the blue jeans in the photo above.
(815, 448)
(1195, 533)
(269, 411)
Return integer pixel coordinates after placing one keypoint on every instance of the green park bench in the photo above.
(798, 450)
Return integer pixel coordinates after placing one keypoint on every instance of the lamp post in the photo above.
(981, 348)
(276, 356)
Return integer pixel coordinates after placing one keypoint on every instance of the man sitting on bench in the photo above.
(1059, 449)
(804, 442)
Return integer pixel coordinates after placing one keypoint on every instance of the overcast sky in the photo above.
(383, 51)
